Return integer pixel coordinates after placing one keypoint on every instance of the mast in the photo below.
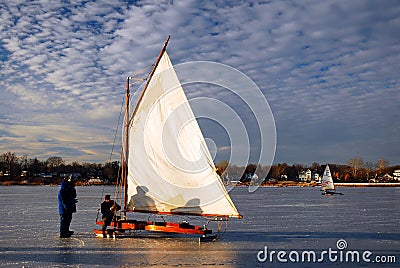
(125, 150)
(150, 76)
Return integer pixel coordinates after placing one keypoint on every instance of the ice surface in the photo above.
(283, 219)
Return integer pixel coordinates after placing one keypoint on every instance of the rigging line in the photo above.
(116, 130)
(135, 80)
(138, 80)
(141, 71)
(135, 83)
(117, 190)
(111, 153)
(137, 92)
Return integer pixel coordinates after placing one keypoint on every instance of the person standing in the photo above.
(66, 205)
(108, 209)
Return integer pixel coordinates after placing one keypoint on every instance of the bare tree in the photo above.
(369, 167)
(315, 166)
(235, 170)
(221, 167)
(10, 160)
(382, 164)
(23, 160)
(279, 170)
(54, 163)
(355, 165)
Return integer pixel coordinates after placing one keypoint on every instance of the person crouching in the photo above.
(108, 209)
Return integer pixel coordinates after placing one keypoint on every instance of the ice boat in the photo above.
(166, 166)
(327, 185)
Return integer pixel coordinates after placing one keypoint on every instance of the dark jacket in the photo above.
(66, 198)
(106, 209)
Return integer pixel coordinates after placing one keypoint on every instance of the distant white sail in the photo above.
(327, 181)
(170, 170)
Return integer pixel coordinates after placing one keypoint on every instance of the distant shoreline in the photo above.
(270, 184)
(339, 185)
(367, 184)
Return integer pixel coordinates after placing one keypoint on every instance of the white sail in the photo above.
(170, 170)
(327, 181)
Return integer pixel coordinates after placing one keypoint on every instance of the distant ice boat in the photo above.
(327, 185)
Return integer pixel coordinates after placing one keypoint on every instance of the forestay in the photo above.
(170, 170)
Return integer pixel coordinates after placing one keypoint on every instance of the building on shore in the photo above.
(309, 176)
(396, 174)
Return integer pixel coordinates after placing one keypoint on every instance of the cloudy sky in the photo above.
(328, 69)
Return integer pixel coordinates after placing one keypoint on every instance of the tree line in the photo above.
(21, 167)
(356, 170)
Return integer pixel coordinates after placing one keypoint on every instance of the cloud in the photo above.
(328, 69)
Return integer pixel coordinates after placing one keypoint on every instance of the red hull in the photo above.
(122, 226)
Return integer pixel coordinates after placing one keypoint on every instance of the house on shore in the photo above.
(396, 174)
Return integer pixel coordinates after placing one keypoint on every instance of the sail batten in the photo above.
(170, 170)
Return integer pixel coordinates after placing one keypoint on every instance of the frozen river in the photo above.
(308, 230)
